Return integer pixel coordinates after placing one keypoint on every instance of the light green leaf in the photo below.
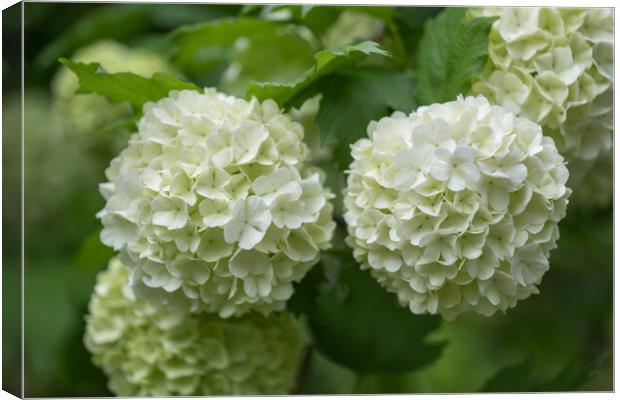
(451, 54)
(356, 323)
(124, 86)
(326, 62)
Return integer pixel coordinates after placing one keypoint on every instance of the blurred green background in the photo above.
(569, 322)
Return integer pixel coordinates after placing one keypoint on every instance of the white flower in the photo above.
(162, 351)
(552, 66)
(462, 223)
(250, 220)
(207, 180)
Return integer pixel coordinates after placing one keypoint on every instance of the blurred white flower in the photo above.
(464, 222)
(213, 181)
(159, 351)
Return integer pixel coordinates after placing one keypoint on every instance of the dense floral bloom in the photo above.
(84, 113)
(151, 351)
(555, 67)
(456, 206)
(212, 204)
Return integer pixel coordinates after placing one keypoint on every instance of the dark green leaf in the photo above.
(326, 62)
(522, 377)
(356, 323)
(452, 52)
(350, 101)
(124, 86)
(92, 254)
(409, 22)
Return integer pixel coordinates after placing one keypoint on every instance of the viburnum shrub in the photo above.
(455, 206)
(222, 210)
(159, 351)
(211, 204)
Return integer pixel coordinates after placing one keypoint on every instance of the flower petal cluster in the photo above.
(555, 67)
(455, 207)
(212, 204)
(152, 351)
(84, 113)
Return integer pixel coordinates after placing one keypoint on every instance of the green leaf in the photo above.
(207, 46)
(124, 86)
(92, 254)
(356, 323)
(522, 377)
(351, 100)
(326, 62)
(451, 54)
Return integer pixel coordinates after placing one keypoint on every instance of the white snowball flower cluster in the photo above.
(84, 113)
(212, 204)
(455, 207)
(555, 67)
(150, 351)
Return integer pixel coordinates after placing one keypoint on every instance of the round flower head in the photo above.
(456, 206)
(555, 67)
(212, 205)
(84, 113)
(151, 351)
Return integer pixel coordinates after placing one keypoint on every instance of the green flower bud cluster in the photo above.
(161, 351)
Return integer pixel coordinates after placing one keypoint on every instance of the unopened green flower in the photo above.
(455, 207)
(213, 205)
(555, 67)
(85, 113)
(158, 351)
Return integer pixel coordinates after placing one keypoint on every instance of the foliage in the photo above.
(357, 324)
(124, 86)
(522, 377)
(452, 53)
(351, 97)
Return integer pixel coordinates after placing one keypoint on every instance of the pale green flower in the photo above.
(161, 351)
(553, 66)
(455, 207)
(206, 180)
